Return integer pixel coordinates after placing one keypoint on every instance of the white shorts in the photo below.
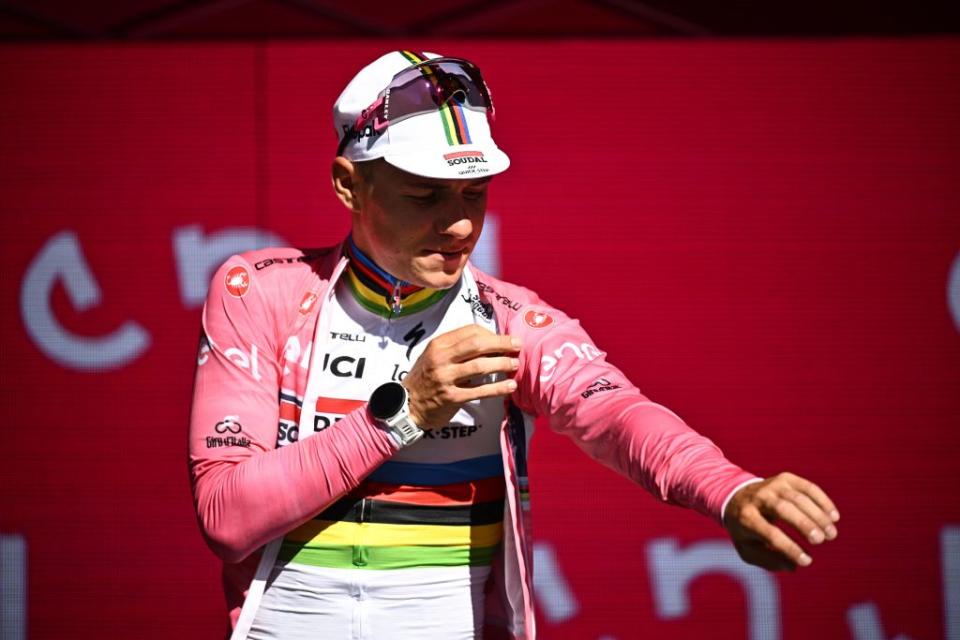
(302, 602)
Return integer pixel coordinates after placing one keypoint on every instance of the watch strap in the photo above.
(403, 428)
(400, 425)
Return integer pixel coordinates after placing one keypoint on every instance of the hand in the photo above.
(752, 512)
(439, 382)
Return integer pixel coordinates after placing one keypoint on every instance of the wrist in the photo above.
(413, 407)
(389, 406)
(734, 492)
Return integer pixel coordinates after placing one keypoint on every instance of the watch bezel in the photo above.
(387, 400)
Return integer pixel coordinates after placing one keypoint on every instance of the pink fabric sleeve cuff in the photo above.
(726, 501)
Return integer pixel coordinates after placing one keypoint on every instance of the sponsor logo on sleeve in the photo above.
(310, 256)
(537, 319)
(486, 289)
(601, 385)
(228, 427)
(214, 442)
(229, 424)
(247, 361)
(309, 298)
(567, 350)
(237, 281)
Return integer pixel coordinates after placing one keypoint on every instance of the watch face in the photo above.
(387, 400)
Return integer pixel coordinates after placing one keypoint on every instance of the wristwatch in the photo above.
(388, 404)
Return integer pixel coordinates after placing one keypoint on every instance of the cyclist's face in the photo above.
(421, 230)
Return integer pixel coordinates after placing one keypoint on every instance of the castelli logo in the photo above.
(237, 282)
(307, 303)
(537, 319)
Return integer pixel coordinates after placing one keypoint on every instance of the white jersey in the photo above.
(350, 574)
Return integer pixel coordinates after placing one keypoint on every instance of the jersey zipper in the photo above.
(359, 548)
(396, 306)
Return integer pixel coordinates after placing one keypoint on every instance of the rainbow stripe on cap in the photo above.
(451, 114)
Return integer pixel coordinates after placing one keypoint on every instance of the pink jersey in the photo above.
(259, 325)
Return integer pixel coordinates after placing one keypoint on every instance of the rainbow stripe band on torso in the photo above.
(383, 525)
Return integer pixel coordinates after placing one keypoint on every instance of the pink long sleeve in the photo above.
(246, 490)
(566, 377)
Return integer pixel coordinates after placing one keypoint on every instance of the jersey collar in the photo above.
(381, 293)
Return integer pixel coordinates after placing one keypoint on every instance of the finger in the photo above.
(775, 538)
(479, 367)
(814, 512)
(491, 390)
(793, 515)
(476, 345)
(816, 493)
(450, 338)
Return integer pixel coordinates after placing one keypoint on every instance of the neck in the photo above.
(380, 292)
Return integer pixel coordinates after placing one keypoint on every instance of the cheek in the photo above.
(400, 230)
(477, 217)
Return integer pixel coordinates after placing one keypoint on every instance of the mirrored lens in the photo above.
(432, 85)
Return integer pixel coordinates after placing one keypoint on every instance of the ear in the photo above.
(346, 182)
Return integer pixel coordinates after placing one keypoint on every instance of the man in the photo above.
(362, 413)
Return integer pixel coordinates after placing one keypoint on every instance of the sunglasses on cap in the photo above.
(423, 88)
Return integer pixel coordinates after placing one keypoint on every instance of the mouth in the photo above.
(448, 253)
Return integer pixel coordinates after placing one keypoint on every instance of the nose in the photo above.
(456, 224)
(460, 228)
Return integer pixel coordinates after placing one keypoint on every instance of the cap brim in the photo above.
(462, 162)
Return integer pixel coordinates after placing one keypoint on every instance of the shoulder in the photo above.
(518, 308)
(284, 263)
(507, 298)
(263, 292)
(553, 342)
(272, 270)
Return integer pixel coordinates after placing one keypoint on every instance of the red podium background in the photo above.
(761, 234)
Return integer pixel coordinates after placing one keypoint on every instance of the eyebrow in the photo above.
(442, 185)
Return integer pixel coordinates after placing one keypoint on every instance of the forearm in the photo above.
(243, 504)
(565, 376)
(646, 442)
(675, 462)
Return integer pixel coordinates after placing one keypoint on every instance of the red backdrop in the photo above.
(761, 234)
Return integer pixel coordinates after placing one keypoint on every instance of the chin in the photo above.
(441, 278)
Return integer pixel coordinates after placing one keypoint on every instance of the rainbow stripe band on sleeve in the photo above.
(451, 114)
(383, 525)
